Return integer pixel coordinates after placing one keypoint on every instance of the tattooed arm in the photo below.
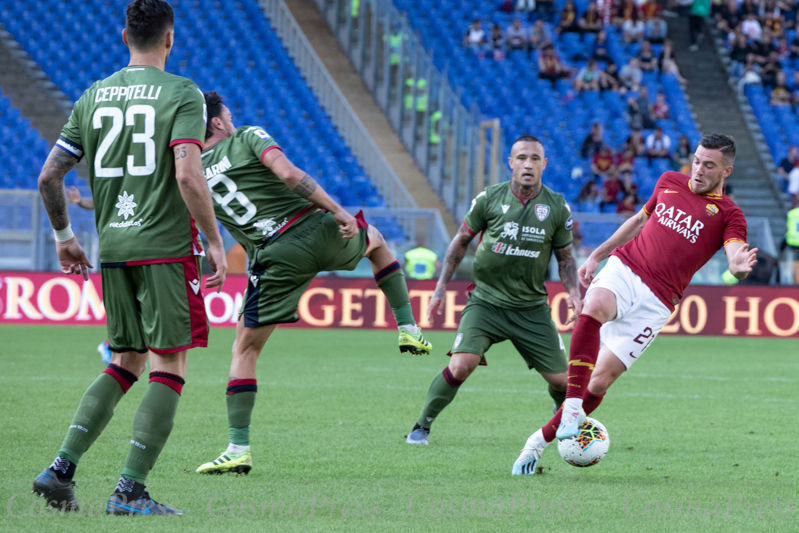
(455, 254)
(567, 267)
(51, 187)
(306, 187)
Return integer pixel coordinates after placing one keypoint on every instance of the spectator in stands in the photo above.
(593, 142)
(611, 188)
(539, 35)
(545, 9)
(795, 47)
(601, 51)
(740, 51)
(587, 79)
(628, 187)
(525, 6)
(591, 21)
(795, 90)
(784, 168)
(625, 160)
(633, 29)
(751, 27)
(550, 66)
(681, 158)
(636, 143)
(568, 19)
(627, 206)
(658, 144)
(750, 7)
(645, 107)
(762, 49)
(624, 13)
(780, 95)
(633, 114)
(793, 185)
(517, 36)
(609, 78)
(497, 41)
(650, 10)
(774, 21)
(700, 10)
(646, 57)
(666, 62)
(475, 36)
(655, 30)
(660, 109)
(770, 69)
(783, 50)
(631, 75)
(728, 18)
(588, 196)
(602, 164)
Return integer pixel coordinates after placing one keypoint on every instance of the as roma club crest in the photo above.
(711, 209)
(541, 211)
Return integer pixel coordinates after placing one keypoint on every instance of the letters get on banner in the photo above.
(52, 298)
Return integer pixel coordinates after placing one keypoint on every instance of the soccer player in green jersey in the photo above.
(142, 131)
(522, 223)
(291, 230)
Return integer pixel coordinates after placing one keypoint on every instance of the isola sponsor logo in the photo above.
(674, 219)
(509, 249)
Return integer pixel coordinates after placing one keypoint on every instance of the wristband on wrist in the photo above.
(63, 235)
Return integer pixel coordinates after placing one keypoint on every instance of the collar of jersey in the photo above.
(715, 196)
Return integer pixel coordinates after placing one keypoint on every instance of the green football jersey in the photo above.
(249, 199)
(513, 255)
(126, 125)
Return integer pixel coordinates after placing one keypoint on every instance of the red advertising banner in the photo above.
(330, 302)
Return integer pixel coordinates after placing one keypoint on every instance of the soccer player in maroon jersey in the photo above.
(653, 257)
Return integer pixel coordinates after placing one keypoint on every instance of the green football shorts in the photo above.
(531, 331)
(157, 307)
(284, 268)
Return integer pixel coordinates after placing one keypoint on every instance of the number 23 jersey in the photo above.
(126, 125)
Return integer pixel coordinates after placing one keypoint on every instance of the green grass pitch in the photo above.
(703, 420)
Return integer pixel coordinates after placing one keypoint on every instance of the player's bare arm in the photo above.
(51, 187)
(74, 197)
(740, 258)
(456, 251)
(567, 267)
(194, 190)
(627, 232)
(306, 187)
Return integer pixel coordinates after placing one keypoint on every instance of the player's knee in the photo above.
(462, 367)
(598, 309)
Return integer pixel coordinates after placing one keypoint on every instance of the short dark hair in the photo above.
(723, 143)
(527, 139)
(147, 21)
(213, 104)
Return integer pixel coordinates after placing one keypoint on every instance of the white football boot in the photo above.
(528, 460)
(570, 421)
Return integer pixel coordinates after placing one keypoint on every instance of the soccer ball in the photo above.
(587, 448)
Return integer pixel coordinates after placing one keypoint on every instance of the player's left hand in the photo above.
(575, 304)
(72, 258)
(743, 260)
(347, 225)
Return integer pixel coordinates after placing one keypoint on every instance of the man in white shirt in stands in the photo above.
(658, 144)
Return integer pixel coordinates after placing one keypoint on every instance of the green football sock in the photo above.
(558, 396)
(94, 411)
(239, 413)
(396, 291)
(441, 392)
(152, 425)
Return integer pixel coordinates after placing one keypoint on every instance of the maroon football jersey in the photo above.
(684, 231)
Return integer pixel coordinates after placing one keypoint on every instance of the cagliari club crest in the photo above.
(711, 209)
(541, 211)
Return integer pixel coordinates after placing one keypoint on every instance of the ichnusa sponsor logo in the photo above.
(509, 249)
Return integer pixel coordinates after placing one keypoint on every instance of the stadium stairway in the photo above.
(349, 81)
(715, 106)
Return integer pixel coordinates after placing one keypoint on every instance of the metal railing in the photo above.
(333, 101)
(21, 243)
(426, 112)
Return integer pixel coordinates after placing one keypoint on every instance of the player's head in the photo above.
(527, 160)
(712, 163)
(149, 26)
(220, 119)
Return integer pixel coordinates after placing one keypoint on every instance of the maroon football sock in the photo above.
(590, 403)
(583, 353)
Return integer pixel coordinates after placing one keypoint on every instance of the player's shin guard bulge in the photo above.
(583, 353)
(240, 402)
(440, 394)
(153, 424)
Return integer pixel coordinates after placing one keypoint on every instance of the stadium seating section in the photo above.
(510, 89)
(224, 46)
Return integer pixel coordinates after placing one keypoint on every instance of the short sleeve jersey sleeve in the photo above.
(563, 232)
(735, 227)
(476, 219)
(70, 140)
(190, 118)
(259, 141)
